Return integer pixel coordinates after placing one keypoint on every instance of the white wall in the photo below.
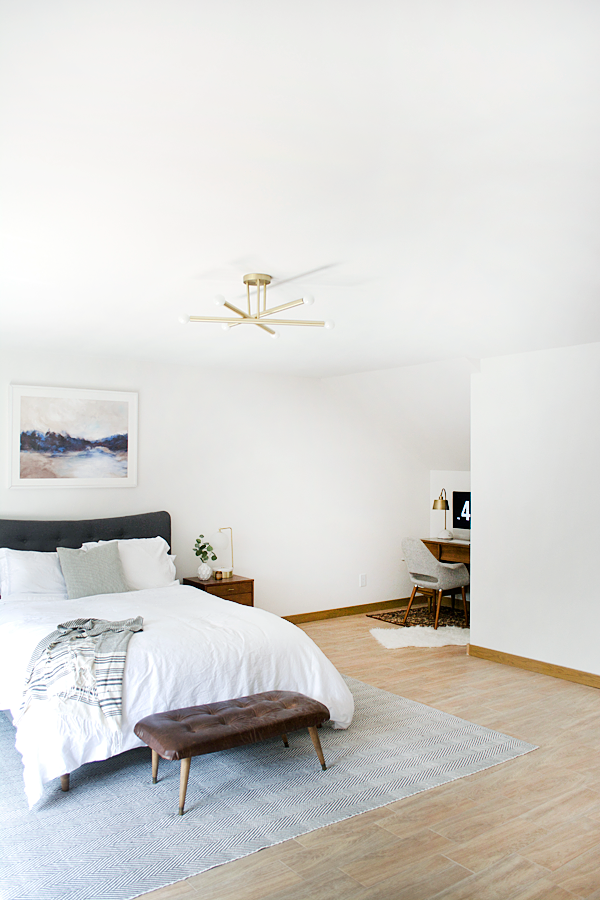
(536, 483)
(426, 409)
(316, 488)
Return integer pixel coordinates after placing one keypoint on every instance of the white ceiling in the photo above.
(440, 157)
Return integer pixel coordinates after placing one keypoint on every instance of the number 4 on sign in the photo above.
(466, 514)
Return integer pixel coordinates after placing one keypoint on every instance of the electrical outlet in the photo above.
(362, 580)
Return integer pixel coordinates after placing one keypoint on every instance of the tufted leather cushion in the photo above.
(181, 733)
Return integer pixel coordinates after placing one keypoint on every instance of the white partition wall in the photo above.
(535, 475)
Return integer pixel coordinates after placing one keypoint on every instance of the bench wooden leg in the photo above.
(64, 782)
(155, 759)
(183, 782)
(317, 743)
(284, 738)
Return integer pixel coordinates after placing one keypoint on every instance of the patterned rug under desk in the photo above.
(422, 617)
(114, 835)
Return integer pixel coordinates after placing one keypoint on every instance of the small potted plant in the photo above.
(203, 549)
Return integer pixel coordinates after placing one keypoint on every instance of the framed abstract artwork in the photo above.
(66, 437)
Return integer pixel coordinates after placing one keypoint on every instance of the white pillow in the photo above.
(146, 562)
(30, 572)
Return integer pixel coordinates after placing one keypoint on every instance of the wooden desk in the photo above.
(449, 551)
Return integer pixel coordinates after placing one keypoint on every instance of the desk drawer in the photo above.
(447, 551)
(455, 553)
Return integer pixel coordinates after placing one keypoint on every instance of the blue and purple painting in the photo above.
(73, 438)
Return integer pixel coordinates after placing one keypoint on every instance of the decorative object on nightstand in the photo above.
(236, 588)
(220, 574)
(204, 550)
(442, 503)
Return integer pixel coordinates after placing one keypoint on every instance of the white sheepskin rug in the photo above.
(419, 636)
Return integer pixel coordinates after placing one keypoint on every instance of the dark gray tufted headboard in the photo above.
(19, 534)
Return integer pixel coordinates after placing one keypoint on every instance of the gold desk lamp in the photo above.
(442, 503)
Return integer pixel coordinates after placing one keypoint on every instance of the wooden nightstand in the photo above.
(236, 588)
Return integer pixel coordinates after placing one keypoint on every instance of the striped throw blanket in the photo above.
(82, 661)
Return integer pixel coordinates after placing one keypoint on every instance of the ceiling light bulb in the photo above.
(308, 300)
(225, 327)
(219, 300)
(275, 335)
(330, 324)
(184, 319)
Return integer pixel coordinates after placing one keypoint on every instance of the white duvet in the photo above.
(195, 648)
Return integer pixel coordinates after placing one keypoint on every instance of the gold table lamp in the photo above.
(442, 503)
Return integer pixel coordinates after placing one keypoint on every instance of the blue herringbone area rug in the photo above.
(115, 835)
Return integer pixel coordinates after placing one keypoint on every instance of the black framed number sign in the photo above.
(461, 509)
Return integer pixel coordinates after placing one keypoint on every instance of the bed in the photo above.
(194, 648)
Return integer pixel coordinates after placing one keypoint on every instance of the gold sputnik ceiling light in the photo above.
(257, 309)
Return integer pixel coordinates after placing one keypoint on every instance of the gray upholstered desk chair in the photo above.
(432, 577)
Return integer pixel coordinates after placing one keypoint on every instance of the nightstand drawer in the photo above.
(230, 591)
(246, 598)
(238, 589)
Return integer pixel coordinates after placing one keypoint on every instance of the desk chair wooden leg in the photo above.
(464, 600)
(412, 597)
(437, 611)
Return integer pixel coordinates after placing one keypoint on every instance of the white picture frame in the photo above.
(72, 438)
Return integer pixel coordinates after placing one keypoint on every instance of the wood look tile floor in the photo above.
(526, 830)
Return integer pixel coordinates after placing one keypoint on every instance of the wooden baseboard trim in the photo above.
(346, 611)
(534, 665)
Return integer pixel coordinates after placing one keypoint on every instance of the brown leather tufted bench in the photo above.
(183, 733)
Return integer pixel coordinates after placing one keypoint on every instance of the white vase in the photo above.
(204, 571)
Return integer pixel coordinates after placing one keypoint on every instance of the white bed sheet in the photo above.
(195, 648)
